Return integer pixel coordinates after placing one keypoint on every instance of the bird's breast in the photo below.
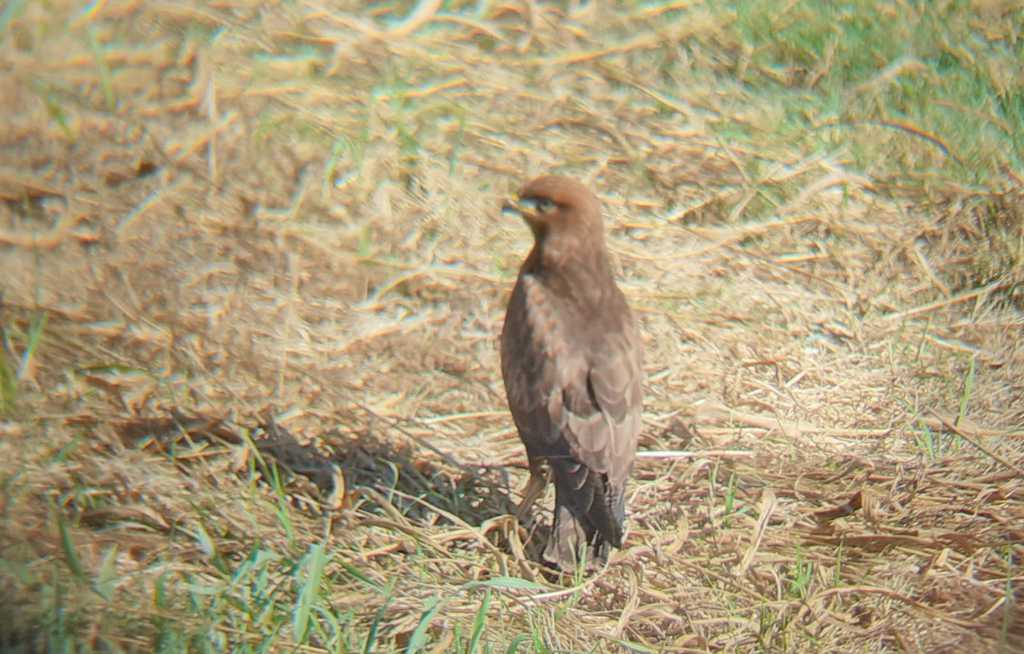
(549, 320)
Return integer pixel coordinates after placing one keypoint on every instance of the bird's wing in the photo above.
(591, 382)
(602, 402)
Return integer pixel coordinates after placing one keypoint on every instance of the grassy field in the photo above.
(254, 270)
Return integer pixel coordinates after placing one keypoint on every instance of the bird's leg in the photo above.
(539, 475)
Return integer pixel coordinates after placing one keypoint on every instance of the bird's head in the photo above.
(559, 209)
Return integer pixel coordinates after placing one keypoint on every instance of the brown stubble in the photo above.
(300, 216)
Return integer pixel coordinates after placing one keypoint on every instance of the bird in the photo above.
(572, 366)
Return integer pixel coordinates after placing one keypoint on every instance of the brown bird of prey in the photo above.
(571, 358)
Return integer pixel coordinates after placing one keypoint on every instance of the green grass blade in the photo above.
(371, 637)
(8, 385)
(479, 622)
(68, 546)
(106, 579)
(418, 639)
(35, 337)
(513, 646)
(106, 80)
(309, 594)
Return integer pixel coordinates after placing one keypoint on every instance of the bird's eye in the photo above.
(545, 205)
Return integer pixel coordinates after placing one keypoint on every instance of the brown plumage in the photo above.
(571, 359)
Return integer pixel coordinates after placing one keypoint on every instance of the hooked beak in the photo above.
(510, 208)
(524, 208)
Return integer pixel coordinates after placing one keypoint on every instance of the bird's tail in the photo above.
(588, 518)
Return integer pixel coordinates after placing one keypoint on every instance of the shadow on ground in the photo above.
(341, 473)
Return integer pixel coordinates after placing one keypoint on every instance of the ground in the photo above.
(254, 271)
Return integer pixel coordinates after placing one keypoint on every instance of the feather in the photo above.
(571, 360)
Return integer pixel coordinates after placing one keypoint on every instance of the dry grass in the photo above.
(255, 271)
